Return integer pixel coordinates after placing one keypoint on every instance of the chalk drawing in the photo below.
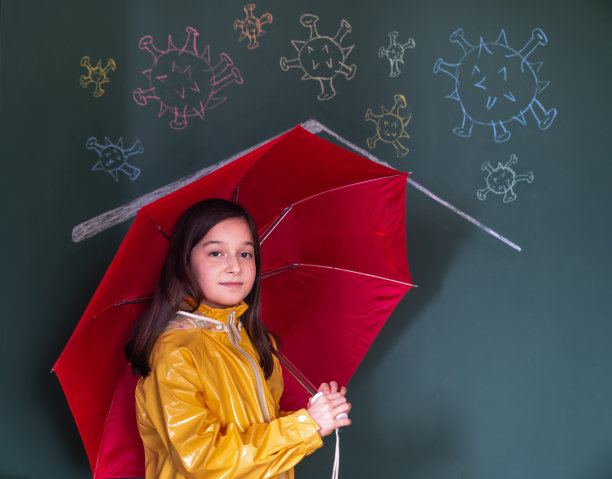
(501, 180)
(113, 157)
(495, 84)
(395, 52)
(390, 126)
(322, 58)
(184, 82)
(123, 213)
(96, 75)
(250, 27)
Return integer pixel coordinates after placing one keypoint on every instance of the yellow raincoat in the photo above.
(206, 410)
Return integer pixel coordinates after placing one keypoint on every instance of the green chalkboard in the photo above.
(499, 363)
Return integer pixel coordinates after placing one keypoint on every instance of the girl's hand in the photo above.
(327, 407)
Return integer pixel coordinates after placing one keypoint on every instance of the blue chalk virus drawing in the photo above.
(502, 179)
(395, 52)
(113, 158)
(322, 58)
(390, 126)
(184, 82)
(495, 84)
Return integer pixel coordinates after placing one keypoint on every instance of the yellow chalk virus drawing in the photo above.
(390, 126)
(321, 58)
(96, 75)
(250, 27)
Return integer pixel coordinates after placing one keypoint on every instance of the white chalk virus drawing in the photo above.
(495, 84)
(113, 158)
(502, 179)
(322, 58)
(184, 82)
(390, 126)
(395, 52)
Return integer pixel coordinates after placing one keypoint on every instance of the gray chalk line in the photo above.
(123, 213)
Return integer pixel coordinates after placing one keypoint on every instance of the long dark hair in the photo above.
(177, 281)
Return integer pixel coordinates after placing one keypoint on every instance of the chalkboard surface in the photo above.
(499, 363)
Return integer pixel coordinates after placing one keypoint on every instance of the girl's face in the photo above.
(223, 263)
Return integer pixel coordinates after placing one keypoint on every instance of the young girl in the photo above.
(207, 399)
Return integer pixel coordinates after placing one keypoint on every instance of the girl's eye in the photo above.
(246, 255)
(214, 253)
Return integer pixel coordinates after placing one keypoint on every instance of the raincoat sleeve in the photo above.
(197, 442)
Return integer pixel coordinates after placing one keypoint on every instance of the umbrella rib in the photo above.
(283, 269)
(288, 209)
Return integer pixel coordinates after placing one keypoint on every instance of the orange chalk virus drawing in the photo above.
(184, 82)
(322, 58)
(96, 75)
(250, 27)
(390, 126)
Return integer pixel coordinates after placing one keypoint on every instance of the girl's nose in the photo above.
(232, 265)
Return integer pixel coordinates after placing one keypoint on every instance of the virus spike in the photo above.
(146, 43)
(454, 95)
(199, 110)
(297, 44)
(215, 102)
(542, 85)
(171, 46)
(119, 143)
(310, 21)
(205, 55)
(536, 66)
(543, 117)
(482, 46)
(147, 73)
(305, 76)
(345, 27)
(163, 108)
(457, 37)
(501, 39)
(538, 38)
(346, 51)
(521, 118)
(190, 44)
(447, 68)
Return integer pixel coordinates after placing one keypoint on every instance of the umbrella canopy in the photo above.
(333, 246)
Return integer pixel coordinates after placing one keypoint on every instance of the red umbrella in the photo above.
(332, 227)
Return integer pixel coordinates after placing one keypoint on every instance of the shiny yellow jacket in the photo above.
(206, 410)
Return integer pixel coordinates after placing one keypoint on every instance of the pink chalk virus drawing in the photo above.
(183, 81)
(322, 58)
(113, 158)
(250, 27)
(96, 75)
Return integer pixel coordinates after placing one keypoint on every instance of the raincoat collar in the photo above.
(205, 317)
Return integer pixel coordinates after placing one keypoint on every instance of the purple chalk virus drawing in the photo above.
(502, 179)
(113, 158)
(183, 81)
(322, 58)
(496, 84)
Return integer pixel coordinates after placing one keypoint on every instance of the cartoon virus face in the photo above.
(96, 75)
(501, 180)
(113, 157)
(183, 81)
(390, 126)
(250, 27)
(395, 52)
(322, 58)
(495, 84)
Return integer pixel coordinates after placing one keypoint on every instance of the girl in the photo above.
(207, 399)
